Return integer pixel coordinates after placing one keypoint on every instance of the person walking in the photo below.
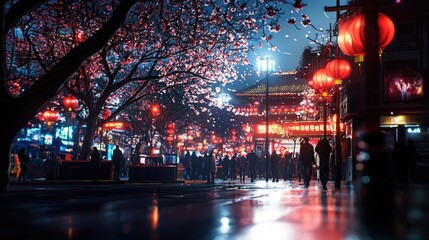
(324, 150)
(252, 159)
(95, 162)
(212, 166)
(194, 166)
(233, 167)
(117, 159)
(306, 154)
(225, 167)
(275, 161)
(242, 165)
(23, 164)
(188, 166)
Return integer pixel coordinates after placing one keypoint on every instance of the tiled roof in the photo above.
(279, 84)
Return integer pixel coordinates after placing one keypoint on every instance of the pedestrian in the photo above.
(413, 157)
(194, 165)
(23, 164)
(242, 166)
(324, 150)
(252, 159)
(117, 159)
(275, 161)
(212, 166)
(306, 154)
(233, 167)
(225, 166)
(95, 162)
(188, 166)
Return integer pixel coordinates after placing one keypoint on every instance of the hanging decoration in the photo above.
(51, 116)
(70, 102)
(338, 69)
(351, 34)
(322, 82)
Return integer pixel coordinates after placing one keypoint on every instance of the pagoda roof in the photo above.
(285, 83)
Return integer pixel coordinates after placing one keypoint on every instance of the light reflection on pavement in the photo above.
(225, 210)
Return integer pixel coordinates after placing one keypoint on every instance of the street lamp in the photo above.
(266, 64)
(222, 103)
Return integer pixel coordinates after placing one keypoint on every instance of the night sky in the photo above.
(291, 41)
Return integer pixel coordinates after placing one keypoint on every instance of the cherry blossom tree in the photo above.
(23, 94)
(46, 43)
(163, 47)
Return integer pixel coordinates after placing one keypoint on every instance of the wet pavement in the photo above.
(196, 210)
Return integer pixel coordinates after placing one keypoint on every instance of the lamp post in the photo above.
(338, 69)
(222, 102)
(266, 64)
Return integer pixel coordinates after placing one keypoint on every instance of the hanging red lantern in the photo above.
(351, 34)
(338, 69)
(171, 126)
(322, 82)
(170, 131)
(106, 113)
(170, 139)
(51, 116)
(70, 102)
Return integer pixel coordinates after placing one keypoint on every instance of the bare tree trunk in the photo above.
(91, 127)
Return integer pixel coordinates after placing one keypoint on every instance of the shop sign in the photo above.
(292, 129)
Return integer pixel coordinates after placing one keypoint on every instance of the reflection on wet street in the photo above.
(225, 210)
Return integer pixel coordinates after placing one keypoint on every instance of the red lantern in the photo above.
(322, 82)
(70, 102)
(170, 131)
(171, 126)
(51, 116)
(106, 113)
(338, 69)
(351, 34)
(170, 139)
(155, 110)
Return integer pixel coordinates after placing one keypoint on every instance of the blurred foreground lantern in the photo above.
(51, 116)
(351, 34)
(70, 102)
(338, 69)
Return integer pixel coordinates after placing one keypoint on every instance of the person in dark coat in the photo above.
(252, 159)
(117, 159)
(275, 161)
(23, 164)
(306, 154)
(194, 166)
(233, 167)
(225, 166)
(95, 162)
(324, 150)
